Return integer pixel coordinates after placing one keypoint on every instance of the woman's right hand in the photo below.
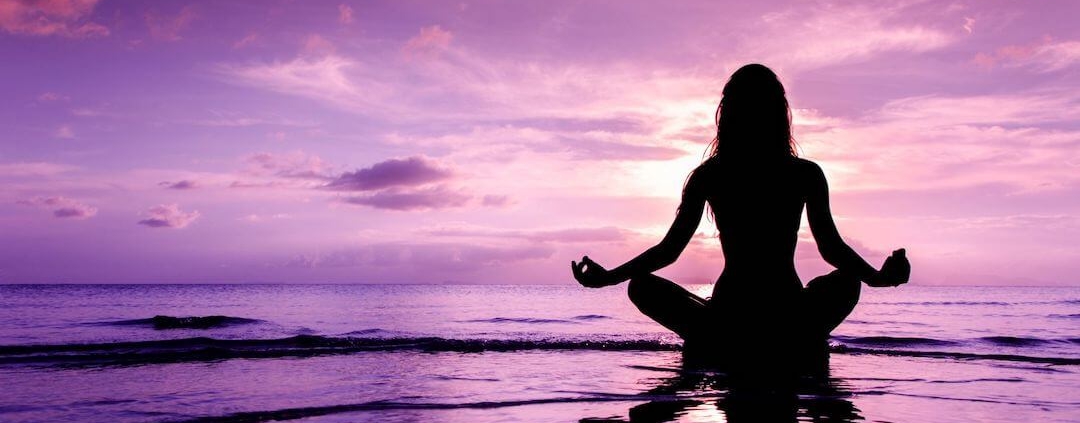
(589, 274)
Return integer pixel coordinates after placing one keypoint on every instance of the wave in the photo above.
(161, 322)
(536, 320)
(208, 349)
(532, 320)
(907, 342)
(591, 317)
(203, 348)
(306, 412)
(959, 355)
(998, 303)
(995, 303)
(1016, 341)
(890, 341)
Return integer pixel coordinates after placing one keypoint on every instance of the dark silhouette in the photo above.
(760, 319)
(821, 400)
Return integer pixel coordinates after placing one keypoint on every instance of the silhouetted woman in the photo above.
(756, 188)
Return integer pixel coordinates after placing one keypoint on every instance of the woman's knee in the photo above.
(836, 280)
(837, 287)
(639, 289)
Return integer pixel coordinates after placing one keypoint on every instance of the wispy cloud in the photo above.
(167, 27)
(324, 78)
(410, 171)
(185, 184)
(64, 132)
(345, 14)
(432, 259)
(565, 235)
(431, 40)
(168, 216)
(49, 96)
(295, 165)
(31, 169)
(1021, 140)
(247, 40)
(816, 34)
(66, 18)
(1045, 55)
(438, 197)
(261, 218)
(62, 207)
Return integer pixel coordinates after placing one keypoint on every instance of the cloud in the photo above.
(65, 18)
(824, 35)
(317, 45)
(62, 207)
(1022, 140)
(592, 148)
(492, 200)
(168, 216)
(64, 132)
(412, 171)
(182, 185)
(168, 28)
(566, 235)
(325, 78)
(48, 97)
(572, 143)
(263, 184)
(345, 14)
(426, 258)
(439, 197)
(34, 169)
(1045, 55)
(246, 41)
(495, 89)
(259, 218)
(969, 24)
(430, 40)
(233, 119)
(296, 165)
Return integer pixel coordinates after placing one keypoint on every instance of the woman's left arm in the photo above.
(657, 257)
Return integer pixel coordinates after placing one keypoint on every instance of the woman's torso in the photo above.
(757, 209)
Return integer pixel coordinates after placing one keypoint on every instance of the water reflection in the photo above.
(708, 396)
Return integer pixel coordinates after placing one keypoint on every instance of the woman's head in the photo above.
(753, 119)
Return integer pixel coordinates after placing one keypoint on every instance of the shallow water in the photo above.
(508, 353)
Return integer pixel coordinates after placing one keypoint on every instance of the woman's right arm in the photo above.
(831, 246)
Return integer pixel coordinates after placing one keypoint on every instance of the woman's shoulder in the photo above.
(705, 170)
(806, 167)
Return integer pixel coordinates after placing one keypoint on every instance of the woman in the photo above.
(756, 188)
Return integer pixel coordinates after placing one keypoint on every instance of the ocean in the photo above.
(479, 353)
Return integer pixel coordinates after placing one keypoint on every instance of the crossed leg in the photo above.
(827, 301)
(668, 304)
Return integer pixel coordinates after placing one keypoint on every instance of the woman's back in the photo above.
(757, 209)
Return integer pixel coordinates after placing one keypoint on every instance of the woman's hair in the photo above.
(753, 120)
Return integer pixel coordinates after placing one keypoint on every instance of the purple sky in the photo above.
(493, 142)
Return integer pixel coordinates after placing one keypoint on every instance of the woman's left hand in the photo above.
(590, 274)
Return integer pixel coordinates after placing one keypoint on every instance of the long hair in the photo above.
(753, 123)
(753, 120)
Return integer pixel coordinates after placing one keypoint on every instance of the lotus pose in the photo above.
(756, 188)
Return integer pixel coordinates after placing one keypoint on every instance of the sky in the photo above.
(496, 141)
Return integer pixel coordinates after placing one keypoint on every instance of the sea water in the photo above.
(478, 353)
